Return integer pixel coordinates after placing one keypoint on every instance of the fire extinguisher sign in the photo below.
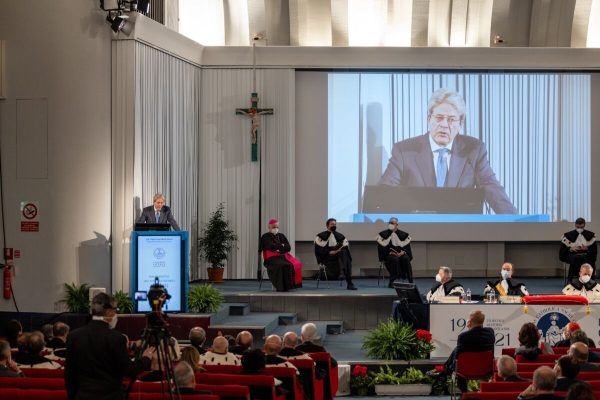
(30, 212)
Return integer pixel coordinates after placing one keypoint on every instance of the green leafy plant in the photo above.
(124, 302)
(77, 297)
(216, 239)
(386, 376)
(395, 340)
(204, 299)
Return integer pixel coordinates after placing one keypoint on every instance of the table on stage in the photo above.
(447, 321)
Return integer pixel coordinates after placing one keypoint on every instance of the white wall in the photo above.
(58, 50)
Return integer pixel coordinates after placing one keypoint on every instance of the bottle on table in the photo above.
(468, 298)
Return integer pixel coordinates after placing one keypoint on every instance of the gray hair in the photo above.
(184, 374)
(309, 332)
(585, 266)
(447, 96)
(446, 270)
(60, 329)
(4, 350)
(507, 366)
(158, 196)
(197, 336)
(544, 378)
(101, 303)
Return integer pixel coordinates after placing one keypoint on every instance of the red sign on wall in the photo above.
(29, 216)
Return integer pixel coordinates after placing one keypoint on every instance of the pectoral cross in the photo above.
(254, 114)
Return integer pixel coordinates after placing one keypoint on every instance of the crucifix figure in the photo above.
(254, 114)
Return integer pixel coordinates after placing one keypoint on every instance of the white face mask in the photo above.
(274, 231)
(391, 227)
(579, 230)
(438, 278)
(113, 322)
(505, 274)
(585, 278)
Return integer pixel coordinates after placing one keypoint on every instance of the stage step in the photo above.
(258, 323)
(238, 308)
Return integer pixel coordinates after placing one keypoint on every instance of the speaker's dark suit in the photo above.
(96, 362)
(411, 164)
(165, 217)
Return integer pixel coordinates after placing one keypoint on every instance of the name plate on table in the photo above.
(510, 299)
(449, 300)
(447, 321)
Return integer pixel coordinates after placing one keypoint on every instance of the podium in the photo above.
(162, 255)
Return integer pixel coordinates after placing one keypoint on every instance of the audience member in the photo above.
(566, 370)
(477, 338)
(542, 387)
(243, 342)
(529, 343)
(308, 334)
(97, 357)
(579, 351)
(8, 368)
(253, 362)
(219, 354)
(197, 338)
(60, 331)
(185, 379)
(581, 391)
(47, 330)
(581, 337)
(290, 341)
(273, 345)
(507, 369)
(191, 356)
(32, 357)
(13, 331)
(568, 330)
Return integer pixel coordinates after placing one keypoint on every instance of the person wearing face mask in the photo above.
(444, 286)
(97, 359)
(578, 247)
(393, 248)
(506, 286)
(584, 285)
(285, 271)
(333, 251)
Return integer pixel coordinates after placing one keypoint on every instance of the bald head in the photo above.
(184, 375)
(579, 351)
(244, 339)
(476, 318)
(290, 339)
(273, 345)
(220, 345)
(507, 366)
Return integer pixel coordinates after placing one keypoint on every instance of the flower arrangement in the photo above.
(360, 381)
(424, 345)
(396, 340)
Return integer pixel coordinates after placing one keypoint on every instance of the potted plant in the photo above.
(360, 381)
(395, 340)
(204, 299)
(216, 240)
(412, 382)
(77, 298)
(124, 302)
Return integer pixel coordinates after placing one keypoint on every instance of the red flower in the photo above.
(424, 335)
(359, 370)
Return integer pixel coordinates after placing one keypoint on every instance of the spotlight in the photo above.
(117, 22)
(143, 6)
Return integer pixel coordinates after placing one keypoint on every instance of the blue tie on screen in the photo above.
(442, 167)
(157, 216)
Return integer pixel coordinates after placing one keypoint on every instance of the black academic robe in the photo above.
(340, 262)
(451, 284)
(514, 287)
(281, 271)
(576, 259)
(589, 287)
(398, 267)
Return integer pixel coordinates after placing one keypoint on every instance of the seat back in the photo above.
(531, 367)
(503, 386)
(289, 380)
(32, 394)
(162, 396)
(227, 392)
(541, 358)
(330, 384)
(261, 386)
(313, 386)
(33, 383)
(508, 351)
(223, 369)
(43, 373)
(475, 364)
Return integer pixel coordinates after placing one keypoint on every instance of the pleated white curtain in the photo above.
(227, 173)
(167, 113)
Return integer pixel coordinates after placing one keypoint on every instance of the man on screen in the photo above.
(333, 251)
(158, 213)
(393, 248)
(444, 157)
(578, 247)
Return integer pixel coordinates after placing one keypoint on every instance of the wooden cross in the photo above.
(254, 114)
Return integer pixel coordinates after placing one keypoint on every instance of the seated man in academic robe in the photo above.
(285, 272)
(584, 285)
(506, 286)
(578, 247)
(393, 248)
(332, 250)
(444, 286)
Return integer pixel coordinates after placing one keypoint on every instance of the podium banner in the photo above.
(447, 321)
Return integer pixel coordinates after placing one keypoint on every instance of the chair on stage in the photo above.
(380, 272)
(472, 365)
(263, 271)
(323, 271)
